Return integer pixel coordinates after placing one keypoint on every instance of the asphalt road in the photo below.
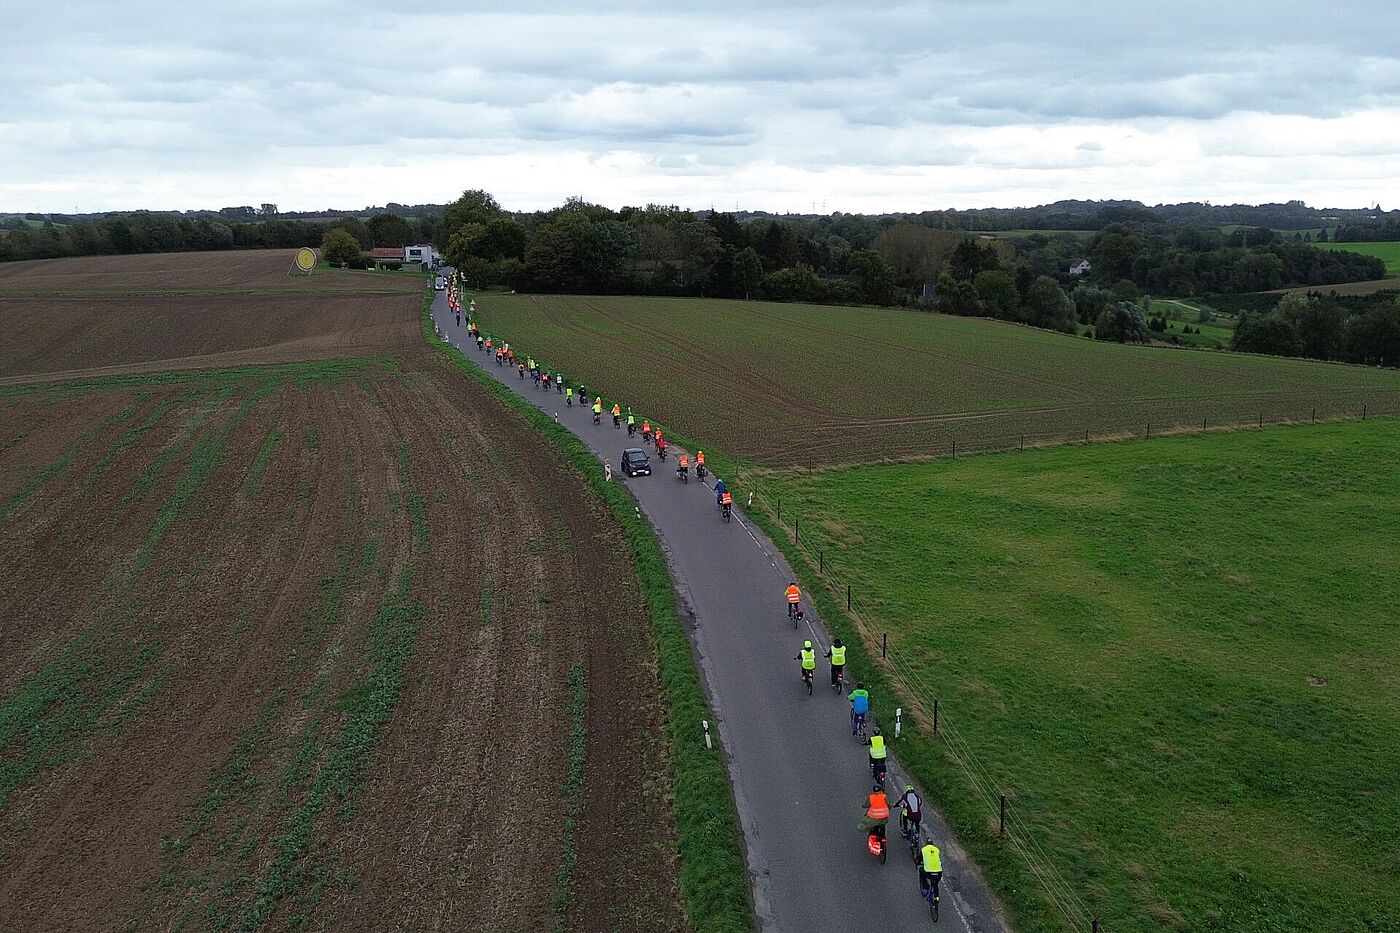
(800, 779)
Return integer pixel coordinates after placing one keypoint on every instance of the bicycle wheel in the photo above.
(809, 686)
(933, 908)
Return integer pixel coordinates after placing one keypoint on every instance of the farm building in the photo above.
(1079, 267)
(386, 254)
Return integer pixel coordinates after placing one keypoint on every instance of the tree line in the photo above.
(118, 234)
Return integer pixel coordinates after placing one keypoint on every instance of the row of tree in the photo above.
(164, 233)
(1321, 328)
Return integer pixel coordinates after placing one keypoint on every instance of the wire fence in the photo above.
(899, 446)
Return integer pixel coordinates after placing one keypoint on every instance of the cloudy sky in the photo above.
(766, 104)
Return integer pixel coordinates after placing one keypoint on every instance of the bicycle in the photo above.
(807, 679)
(878, 771)
(911, 834)
(839, 684)
(797, 618)
(931, 898)
(858, 726)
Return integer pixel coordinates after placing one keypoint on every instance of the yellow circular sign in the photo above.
(306, 259)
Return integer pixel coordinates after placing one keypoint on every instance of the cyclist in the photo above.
(860, 705)
(794, 596)
(660, 446)
(877, 812)
(597, 410)
(911, 809)
(719, 491)
(631, 423)
(646, 430)
(617, 415)
(700, 464)
(683, 468)
(930, 869)
(837, 654)
(877, 756)
(808, 657)
(569, 396)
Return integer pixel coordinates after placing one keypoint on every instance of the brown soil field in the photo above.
(294, 647)
(238, 271)
(100, 316)
(69, 338)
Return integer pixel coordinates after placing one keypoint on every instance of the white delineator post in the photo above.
(705, 724)
(898, 713)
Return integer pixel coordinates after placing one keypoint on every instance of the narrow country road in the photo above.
(799, 778)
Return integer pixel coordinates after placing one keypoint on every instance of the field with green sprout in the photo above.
(799, 384)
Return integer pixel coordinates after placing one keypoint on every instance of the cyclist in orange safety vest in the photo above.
(794, 596)
(877, 812)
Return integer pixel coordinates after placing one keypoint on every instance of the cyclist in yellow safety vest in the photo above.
(877, 755)
(598, 407)
(930, 869)
(808, 657)
(837, 654)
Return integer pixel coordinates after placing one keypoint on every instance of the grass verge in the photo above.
(714, 878)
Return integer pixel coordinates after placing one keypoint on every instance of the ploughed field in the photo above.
(793, 384)
(1179, 660)
(339, 643)
(75, 318)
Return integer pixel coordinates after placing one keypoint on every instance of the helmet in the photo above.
(806, 644)
(876, 789)
(836, 642)
(860, 685)
(908, 788)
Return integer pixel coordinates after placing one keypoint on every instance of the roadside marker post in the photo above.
(705, 724)
(898, 716)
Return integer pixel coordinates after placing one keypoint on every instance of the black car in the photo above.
(635, 462)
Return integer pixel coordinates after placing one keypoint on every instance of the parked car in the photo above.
(635, 462)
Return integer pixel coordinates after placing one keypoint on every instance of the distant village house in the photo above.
(1079, 267)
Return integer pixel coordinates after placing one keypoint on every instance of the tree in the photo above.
(389, 230)
(1089, 301)
(748, 270)
(1321, 324)
(1266, 333)
(1048, 306)
(957, 296)
(874, 274)
(997, 289)
(1374, 336)
(338, 246)
(1122, 321)
(1257, 272)
(1114, 248)
(356, 228)
(473, 207)
(968, 259)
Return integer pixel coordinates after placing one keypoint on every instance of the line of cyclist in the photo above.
(877, 805)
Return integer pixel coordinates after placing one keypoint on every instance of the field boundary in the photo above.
(714, 874)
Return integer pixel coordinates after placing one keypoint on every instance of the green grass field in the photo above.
(1180, 659)
(1389, 252)
(788, 383)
